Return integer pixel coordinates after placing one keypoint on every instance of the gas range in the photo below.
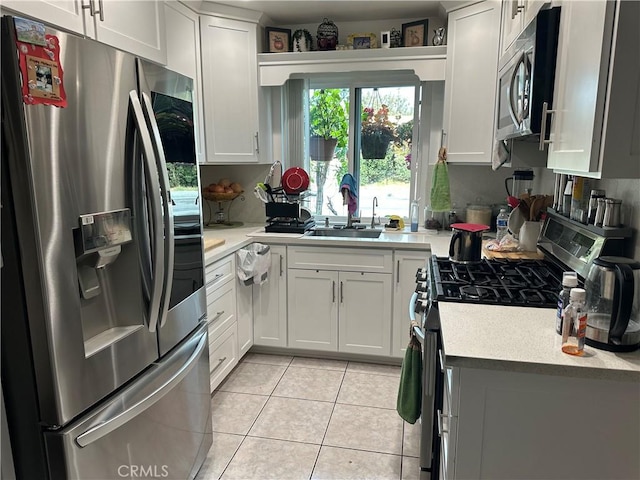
(531, 283)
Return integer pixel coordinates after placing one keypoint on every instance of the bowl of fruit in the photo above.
(222, 191)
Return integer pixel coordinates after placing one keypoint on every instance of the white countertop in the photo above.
(238, 237)
(523, 339)
(476, 336)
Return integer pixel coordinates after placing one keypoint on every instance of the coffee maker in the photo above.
(613, 298)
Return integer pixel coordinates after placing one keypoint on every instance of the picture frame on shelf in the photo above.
(414, 34)
(278, 39)
(361, 41)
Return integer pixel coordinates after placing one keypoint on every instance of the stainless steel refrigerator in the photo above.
(105, 365)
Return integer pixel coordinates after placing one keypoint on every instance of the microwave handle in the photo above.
(512, 110)
(543, 125)
(526, 62)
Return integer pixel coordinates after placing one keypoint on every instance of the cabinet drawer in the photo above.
(223, 356)
(221, 309)
(341, 259)
(220, 272)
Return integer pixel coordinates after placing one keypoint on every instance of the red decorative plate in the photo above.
(295, 180)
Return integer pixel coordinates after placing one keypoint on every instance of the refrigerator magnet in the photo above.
(28, 31)
(42, 73)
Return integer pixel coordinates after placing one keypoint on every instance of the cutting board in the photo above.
(512, 255)
(210, 243)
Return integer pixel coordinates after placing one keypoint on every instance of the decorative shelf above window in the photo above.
(428, 63)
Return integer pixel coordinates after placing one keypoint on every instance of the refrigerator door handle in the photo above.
(107, 426)
(161, 165)
(157, 234)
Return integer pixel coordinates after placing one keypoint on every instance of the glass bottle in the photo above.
(574, 324)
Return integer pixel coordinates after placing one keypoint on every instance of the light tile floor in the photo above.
(282, 417)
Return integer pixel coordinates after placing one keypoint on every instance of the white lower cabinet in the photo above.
(244, 312)
(407, 263)
(505, 424)
(364, 315)
(222, 318)
(332, 309)
(223, 356)
(270, 303)
(313, 309)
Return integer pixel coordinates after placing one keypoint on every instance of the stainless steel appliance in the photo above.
(526, 74)
(613, 297)
(568, 245)
(466, 242)
(105, 359)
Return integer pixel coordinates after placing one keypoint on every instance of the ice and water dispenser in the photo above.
(108, 279)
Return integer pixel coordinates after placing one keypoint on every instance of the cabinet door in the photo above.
(512, 23)
(230, 84)
(270, 303)
(404, 284)
(183, 56)
(137, 27)
(365, 313)
(531, 9)
(244, 314)
(576, 124)
(470, 84)
(67, 14)
(313, 309)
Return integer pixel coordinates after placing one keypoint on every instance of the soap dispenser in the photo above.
(414, 216)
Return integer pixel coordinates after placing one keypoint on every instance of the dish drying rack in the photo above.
(283, 214)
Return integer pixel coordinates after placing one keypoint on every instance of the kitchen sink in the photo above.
(345, 232)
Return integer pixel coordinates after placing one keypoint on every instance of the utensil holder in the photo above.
(529, 233)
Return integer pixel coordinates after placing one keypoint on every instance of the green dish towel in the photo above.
(409, 402)
(440, 192)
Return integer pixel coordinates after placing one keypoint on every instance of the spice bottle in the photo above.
(569, 281)
(574, 324)
(414, 216)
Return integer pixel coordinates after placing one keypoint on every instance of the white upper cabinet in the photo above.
(470, 85)
(133, 26)
(183, 56)
(595, 123)
(516, 15)
(230, 87)
(66, 14)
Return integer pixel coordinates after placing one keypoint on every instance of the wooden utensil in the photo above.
(536, 206)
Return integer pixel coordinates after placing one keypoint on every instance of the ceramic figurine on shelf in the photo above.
(438, 37)
(301, 41)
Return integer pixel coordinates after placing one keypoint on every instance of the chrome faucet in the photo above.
(373, 212)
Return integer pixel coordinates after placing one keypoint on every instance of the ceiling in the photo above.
(291, 12)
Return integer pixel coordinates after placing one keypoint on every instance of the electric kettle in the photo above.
(613, 310)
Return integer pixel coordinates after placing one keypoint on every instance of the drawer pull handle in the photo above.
(218, 275)
(220, 362)
(218, 315)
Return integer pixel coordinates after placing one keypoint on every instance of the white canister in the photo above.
(480, 214)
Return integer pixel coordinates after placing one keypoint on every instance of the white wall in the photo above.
(249, 210)
(628, 190)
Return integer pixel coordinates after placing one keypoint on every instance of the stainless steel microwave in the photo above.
(525, 78)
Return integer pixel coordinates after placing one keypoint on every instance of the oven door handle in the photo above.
(416, 330)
